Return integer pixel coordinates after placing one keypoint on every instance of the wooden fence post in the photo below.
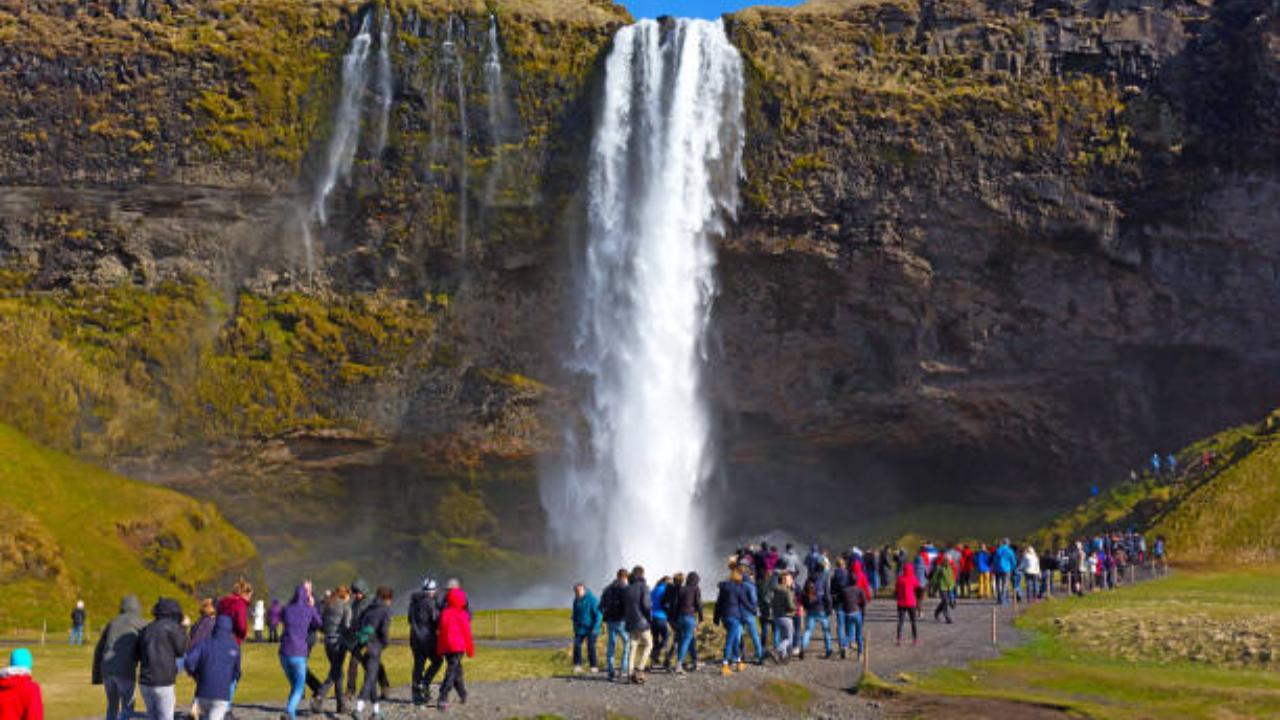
(495, 624)
(993, 627)
(44, 631)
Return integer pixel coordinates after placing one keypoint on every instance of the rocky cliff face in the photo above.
(986, 248)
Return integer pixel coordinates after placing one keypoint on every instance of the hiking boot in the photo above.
(444, 706)
(317, 704)
(577, 669)
(638, 678)
(679, 671)
(802, 654)
(826, 655)
(595, 669)
(843, 654)
(741, 666)
(725, 671)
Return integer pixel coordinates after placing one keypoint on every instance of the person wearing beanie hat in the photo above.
(20, 697)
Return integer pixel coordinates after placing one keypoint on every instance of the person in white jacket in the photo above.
(259, 620)
(1029, 567)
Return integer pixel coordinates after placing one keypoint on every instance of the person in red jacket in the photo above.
(906, 589)
(453, 640)
(19, 694)
(236, 607)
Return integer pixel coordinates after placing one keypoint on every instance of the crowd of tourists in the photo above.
(776, 600)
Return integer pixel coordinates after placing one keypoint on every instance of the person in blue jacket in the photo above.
(1003, 562)
(728, 612)
(659, 623)
(586, 627)
(215, 664)
(750, 616)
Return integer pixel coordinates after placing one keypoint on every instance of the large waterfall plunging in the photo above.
(665, 165)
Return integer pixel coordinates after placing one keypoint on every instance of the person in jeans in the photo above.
(613, 608)
(215, 664)
(637, 609)
(728, 613)
(689, 614)
(300, 619)
(750, 617)
(454, 642)
(77, 624)
(661, 625)
(336, 619)
(1003, 562)
(816, 601)
(586, 627)
(783, 608)
(160, 644)
(115, 658)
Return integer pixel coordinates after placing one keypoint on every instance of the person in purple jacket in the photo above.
(274, 614)
(300, 619)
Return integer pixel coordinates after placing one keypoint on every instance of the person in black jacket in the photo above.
(424, 618)
(160, 645)
(637, 613)
(613, 609)
(377, 617)
(688, 615)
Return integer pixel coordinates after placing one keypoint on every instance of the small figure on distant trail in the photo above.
(115, 658)
(455, 641)
(1155, 463)
(1171, 463)
(586, 627)
(77, 624)
(160, 644)
(19, 694)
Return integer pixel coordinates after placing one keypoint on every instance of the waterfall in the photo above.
(346, 122)
(665, 164)
(464, 131)
(385, 89)
(493, 81)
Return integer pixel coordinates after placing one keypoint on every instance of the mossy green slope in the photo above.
(1228, 513)
(72, 530)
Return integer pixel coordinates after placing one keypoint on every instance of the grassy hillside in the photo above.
(72, 530)
(1229, 513)
(1194, 645)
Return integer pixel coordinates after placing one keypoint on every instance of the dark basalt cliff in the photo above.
(991, 249)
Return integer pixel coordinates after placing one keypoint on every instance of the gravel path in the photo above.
(706, 694)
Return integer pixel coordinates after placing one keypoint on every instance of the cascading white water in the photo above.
(345, 138)
(464, 131)
(384, 81)
(666, 160)
(493, 80)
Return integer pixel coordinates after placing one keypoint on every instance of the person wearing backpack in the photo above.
(424, 621)
(215, 664)
(689, 614)
(374, 635)
(614, 610)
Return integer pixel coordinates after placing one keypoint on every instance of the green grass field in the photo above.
(63, 671)
(1194, 645)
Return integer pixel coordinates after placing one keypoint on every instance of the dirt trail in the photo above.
(706, 694)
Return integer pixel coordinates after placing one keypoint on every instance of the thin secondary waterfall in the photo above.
(493, 80)
(464, 132)
(345, 137)
(385, 89)
(665, 164)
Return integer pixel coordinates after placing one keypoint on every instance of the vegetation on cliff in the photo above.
(73, 531)
(1228, 514)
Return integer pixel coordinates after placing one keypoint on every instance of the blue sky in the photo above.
(694, 8)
